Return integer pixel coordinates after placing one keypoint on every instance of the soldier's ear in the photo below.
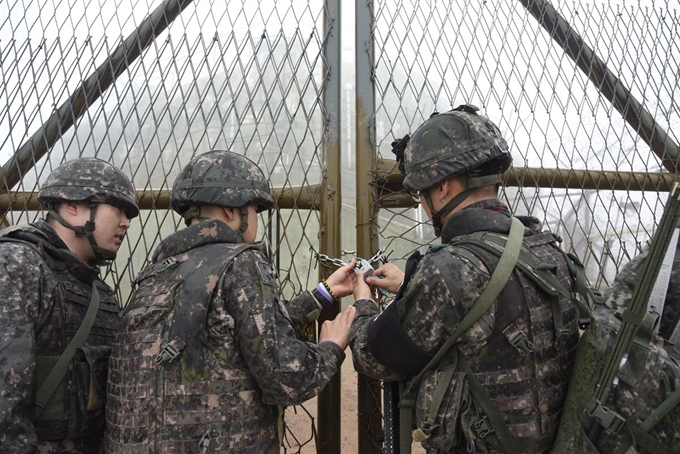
(449, 188)
(70, 207)
(231, 213)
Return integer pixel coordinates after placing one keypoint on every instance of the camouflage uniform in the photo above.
(46, 292)
(621, 291)
(214, 300)
(526, 388)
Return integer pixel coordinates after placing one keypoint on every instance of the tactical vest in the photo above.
(536, 336)
(523, 367)
(168, 390)
(76, 409)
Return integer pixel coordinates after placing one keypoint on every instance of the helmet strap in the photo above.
(472, 183)
(87, 231)
(193, 212)
(244, 220)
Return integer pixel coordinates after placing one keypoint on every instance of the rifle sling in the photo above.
(638, 304)
(657, 298)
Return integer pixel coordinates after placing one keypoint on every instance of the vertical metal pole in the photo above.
(370, 419)
(328, 402)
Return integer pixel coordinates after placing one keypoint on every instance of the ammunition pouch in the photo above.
(82, 402)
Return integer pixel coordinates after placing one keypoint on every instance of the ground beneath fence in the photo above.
(298, 420)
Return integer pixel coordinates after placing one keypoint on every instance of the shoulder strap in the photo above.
(57, 373)
(500, 276)
(657, 297)
(190, 312)
(584, 296)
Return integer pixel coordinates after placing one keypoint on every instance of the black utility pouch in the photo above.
(88, 396)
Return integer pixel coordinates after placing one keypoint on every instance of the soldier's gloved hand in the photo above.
(388, 277)
(337, 330)
(343, 280)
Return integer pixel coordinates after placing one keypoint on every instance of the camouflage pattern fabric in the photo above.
(621, 291)
(44, 298)
(650, 375)
(90, 179)
(430, 310)
(450, 144)
(221, 178)
(241, 360)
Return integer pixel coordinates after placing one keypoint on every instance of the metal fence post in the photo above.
(328, 403)
(370, 418)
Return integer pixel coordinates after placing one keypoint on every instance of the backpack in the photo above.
(625, 392)
(641, 412)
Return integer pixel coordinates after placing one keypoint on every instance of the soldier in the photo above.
(57, 317)
(207, 353)
(621, 292)
(454, 161)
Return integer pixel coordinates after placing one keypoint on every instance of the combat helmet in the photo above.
(90, 180)
(221, 178)
(458, 142)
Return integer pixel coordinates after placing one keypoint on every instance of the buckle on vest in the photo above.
(609, 419)
(39, 408)
(519, 340)
(170, 351)
(482, 427)
(523, 345)
(165, 264)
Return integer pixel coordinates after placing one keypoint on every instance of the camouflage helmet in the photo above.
(221, 178)
(91, 180)
(454, 143)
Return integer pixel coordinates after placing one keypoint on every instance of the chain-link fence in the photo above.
(147, 86)
(577, 122)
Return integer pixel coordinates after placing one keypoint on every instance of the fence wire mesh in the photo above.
(242, 76)
(248, 76)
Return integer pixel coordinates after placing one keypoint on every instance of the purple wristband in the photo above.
(325, 301)
(322, 289)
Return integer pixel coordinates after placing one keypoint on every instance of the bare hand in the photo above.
(337, 330)
(343, 280)
(363, 291)
(388, 277)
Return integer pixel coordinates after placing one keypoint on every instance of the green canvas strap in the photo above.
(499, 278)
(638, 302)
(57, 373)
(641, 438)
(640, 434)
(662, 410)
